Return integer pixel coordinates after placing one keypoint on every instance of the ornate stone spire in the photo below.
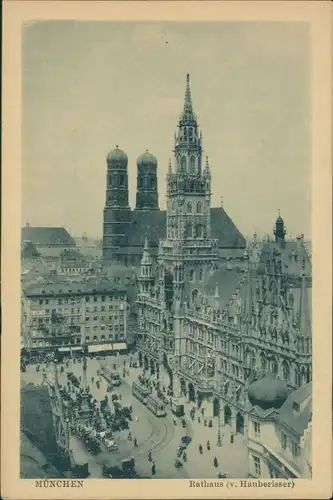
(188, 113)
(304, 313)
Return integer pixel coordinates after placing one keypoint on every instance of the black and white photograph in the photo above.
(166, 252)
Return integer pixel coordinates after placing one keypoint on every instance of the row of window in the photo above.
(101, 318)
(55, 342)
(295, 448)
(104, 308)
(116, 328)
(77, 300)
(111, 337)
(71, 300)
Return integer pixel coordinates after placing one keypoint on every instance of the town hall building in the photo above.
(212, 328)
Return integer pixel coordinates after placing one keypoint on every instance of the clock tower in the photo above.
(188, 253)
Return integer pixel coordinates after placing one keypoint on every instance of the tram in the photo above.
(156, 406)
(177, 408)
(141, 393)
(110, 376)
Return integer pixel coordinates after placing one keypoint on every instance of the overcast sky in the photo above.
(88, 86)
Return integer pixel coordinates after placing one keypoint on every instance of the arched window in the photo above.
(200, 274)
(274, 366)
(185, 133)
(191, 275)
(285, 371)
(194, 295)
(152, 183)
(263, 361)
(192, 165)
(198, 231)
(199, 207)
(189, 208)
(183, 163)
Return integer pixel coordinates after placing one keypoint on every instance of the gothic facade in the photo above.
(211, 327)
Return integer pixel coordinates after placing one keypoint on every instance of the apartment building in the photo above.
(66, 316)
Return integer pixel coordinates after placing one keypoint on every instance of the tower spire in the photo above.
(304, 314)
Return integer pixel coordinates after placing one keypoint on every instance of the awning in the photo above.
(107, 347)
(119, 347)
(67, 349)
(99, 348)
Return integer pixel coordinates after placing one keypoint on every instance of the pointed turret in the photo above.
(188, 113)
(304, 313)
(146, 259)
(146, 270)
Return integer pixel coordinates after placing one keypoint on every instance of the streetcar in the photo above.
(156, 406)
(141, 393)
(177, 408)
(112, 377)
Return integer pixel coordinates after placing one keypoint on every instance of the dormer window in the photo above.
(296, 407)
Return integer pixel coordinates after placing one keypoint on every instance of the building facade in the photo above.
(65, 316)
(278, 437)
(215, 327)
(125, 229)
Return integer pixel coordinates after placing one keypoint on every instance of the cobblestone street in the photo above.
(158, 435)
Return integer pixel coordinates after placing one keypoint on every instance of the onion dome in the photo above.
(268, 392)
(117, 157)
(146, 160)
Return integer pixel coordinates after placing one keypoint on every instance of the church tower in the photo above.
(117, 210)
(187, 253)
(147, 191)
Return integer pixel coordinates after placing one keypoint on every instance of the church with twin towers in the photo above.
(125, 229)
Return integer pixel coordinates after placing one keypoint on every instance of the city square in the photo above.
(158, 435)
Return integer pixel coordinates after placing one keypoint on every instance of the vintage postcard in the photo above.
(166, 250)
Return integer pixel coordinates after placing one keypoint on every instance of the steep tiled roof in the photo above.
(226, 281)
(290, 265)
(153, 223)
(224, 230)
(147, 222)
(297, 421)
(44, 236)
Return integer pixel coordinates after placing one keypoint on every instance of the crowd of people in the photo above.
(109, 415)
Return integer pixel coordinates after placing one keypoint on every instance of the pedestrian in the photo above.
(208, 445)
(205, 423)
(136, 419)
(203, 412)
(215, 462)
(135, 442)
(149, 457)
(153, 469)
(200, 449)
(184, 456)
(199, 420)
